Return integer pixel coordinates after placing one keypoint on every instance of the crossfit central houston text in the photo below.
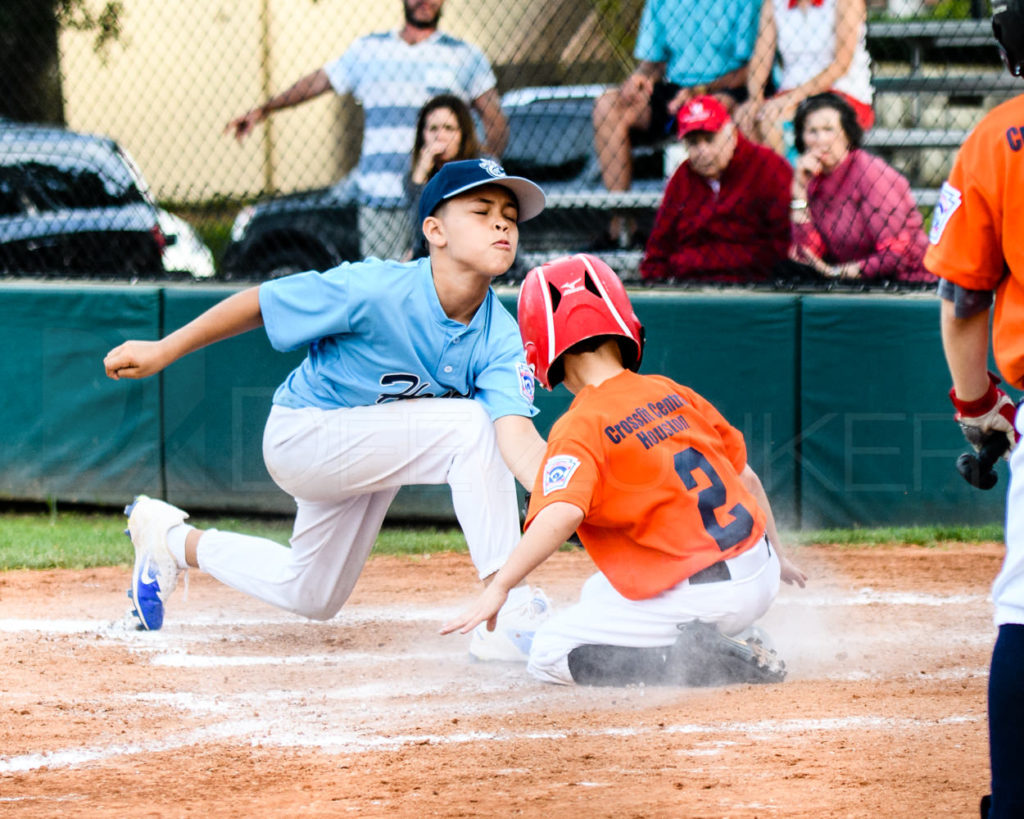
(651, 424)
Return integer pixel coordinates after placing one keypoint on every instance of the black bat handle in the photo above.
(977, 469)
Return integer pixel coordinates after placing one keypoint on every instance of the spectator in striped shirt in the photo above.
(392, 74)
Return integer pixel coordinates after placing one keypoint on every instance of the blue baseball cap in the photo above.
(455, 178)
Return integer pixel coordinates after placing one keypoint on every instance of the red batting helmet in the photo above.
(567, 301)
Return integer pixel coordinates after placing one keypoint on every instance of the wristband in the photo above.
(979, 406)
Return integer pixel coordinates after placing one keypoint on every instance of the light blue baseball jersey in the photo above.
(376, 332)
(392, 80)
(698, 40)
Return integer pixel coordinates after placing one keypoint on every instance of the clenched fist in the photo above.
(135, 359)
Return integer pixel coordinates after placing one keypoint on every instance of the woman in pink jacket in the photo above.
(853, 214)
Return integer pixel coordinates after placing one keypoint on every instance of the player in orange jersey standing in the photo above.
(656, 483)
(977, 248)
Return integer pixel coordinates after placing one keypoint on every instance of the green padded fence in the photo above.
(215, 405)
(877, 444)
(68, 431)
(842, 400)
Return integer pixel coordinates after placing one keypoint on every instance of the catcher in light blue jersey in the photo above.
(415, 374)
(381, 335)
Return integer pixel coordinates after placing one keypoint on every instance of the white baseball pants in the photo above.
(1008, 589)
(344, 467)
(604, 617)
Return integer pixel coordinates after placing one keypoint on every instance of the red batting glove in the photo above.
(992, 413)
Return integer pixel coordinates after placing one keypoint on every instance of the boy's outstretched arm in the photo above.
(237, 314)
(550, 529)
(791, 573)
(521, 447)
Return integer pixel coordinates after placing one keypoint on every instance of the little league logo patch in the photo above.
(949, 201)
(526, 388)
(557, 472)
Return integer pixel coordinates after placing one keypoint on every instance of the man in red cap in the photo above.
(725, 213)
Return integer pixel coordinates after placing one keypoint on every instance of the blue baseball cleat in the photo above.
(147, 607)
(155, 573)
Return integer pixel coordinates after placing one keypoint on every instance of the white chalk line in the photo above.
(281, 733)
(948, 675)
(125, 627)
(160, 658)
(256, 734)
(181, 660)
(181, 620)
(368, 695)
(868, 596)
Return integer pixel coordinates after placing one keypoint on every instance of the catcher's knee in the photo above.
(315, 601)
(316, 610)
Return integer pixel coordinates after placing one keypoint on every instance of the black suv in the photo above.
(551, 142)
(310, 230)
(73, 204)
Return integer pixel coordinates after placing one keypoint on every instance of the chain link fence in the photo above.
(165, 81)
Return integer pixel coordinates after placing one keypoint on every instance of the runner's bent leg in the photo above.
(604, 617)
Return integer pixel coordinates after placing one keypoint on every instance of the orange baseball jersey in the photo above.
(655, 469)
(973, 241)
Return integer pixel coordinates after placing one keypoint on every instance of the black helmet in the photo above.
(1008, 28)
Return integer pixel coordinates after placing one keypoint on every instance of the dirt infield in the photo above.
(235, 709)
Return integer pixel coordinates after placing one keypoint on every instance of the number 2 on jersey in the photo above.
(712, 498)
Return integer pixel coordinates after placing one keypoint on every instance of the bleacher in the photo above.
(933, 81)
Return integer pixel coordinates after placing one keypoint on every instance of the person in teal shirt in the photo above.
(685, 49)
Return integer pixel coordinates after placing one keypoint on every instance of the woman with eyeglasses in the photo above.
(821, 47)
(853, 215)
(444, 132)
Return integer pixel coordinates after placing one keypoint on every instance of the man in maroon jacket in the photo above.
(725, 214)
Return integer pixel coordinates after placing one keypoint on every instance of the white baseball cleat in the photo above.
(513, 635)
(155, 573)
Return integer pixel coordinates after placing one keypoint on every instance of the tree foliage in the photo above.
(30, 89)
(104, 23)
(618, 20)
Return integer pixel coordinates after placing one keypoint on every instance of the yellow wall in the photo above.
(184, 68)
